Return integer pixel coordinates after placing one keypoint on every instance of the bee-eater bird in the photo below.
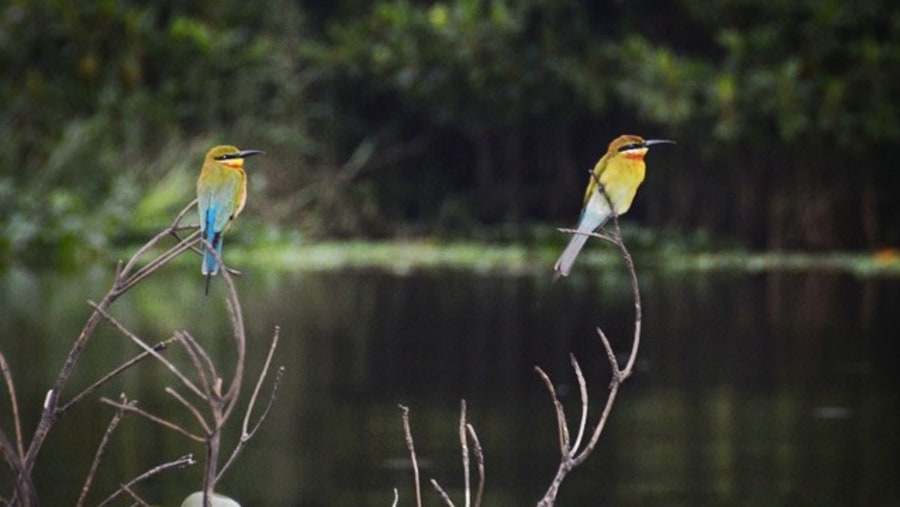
(611, 189)
(221, 195)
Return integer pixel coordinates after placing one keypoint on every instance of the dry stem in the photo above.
(410, 445)
(181, 462)
(112, 374)
(466, 432)
(125, 279)
(13, 401)
(101, 450)
(573, 455)
(208, 386)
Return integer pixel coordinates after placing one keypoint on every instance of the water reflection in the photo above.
(751, 389)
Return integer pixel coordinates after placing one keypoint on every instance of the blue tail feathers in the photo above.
(210, 266)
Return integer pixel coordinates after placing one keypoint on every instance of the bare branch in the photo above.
(125, 269)
(109, 376)
(582, 388)
(560, 413)
(464, 446)
(180, 216)
(125, 331)
(191, 408)
(181, 462)
(638, 314)
(170, 230)
(101, 451)
(123, 282)
(206, 370)
(407, 433)
(595, 437)
(152, 266)
(444, 496)
(610, 354)
(14, 404)
(50, 414)
(158, 420)
(261, 379)
(135, 496)
(24, 490)
(247, 432)
(572, 457)
(222, 400)
(479, 460)
(237, 321)
(246, 436)
(222, 404)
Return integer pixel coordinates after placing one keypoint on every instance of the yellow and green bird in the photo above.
(611, 189)
(221, 195)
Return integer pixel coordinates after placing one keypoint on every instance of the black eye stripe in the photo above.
(225, 157)
(632, 146)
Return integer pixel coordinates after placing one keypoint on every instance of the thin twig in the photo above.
(101, 451)
(135, 496)
(582, 388)
(636, 290)
(125, 279)
(259, 383)
(180, 216)
(181, 462)
(156, 239)
(572, 457)
(14, 404)
(410, 445)
(196, 352)
(240, 339)
(109, 376)
(51, 414)
(158, 420)
(222, 404)
(123, 270)
(242, 442)
(595, 437)
(444, 496)
(464, 446)
(479, 460)
(610, 354)
(141, 343)
(246, 432)
(191, 408)
(24, 490)
(560, 413)
(152, 266)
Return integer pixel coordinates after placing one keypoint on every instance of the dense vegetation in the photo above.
(395, 116)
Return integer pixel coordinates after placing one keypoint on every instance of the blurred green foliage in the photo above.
(396, 116)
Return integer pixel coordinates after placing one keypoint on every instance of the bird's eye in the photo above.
(223, 157)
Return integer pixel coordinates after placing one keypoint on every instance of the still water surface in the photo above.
(762, 389)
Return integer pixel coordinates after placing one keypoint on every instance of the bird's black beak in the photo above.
(248, 153)
(651, 142)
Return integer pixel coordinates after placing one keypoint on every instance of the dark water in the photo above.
(766, 389)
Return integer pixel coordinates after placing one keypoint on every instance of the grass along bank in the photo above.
(406, 255)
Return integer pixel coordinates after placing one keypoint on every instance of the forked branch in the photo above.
(573, 454)
(466, 435)
(210, 399)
